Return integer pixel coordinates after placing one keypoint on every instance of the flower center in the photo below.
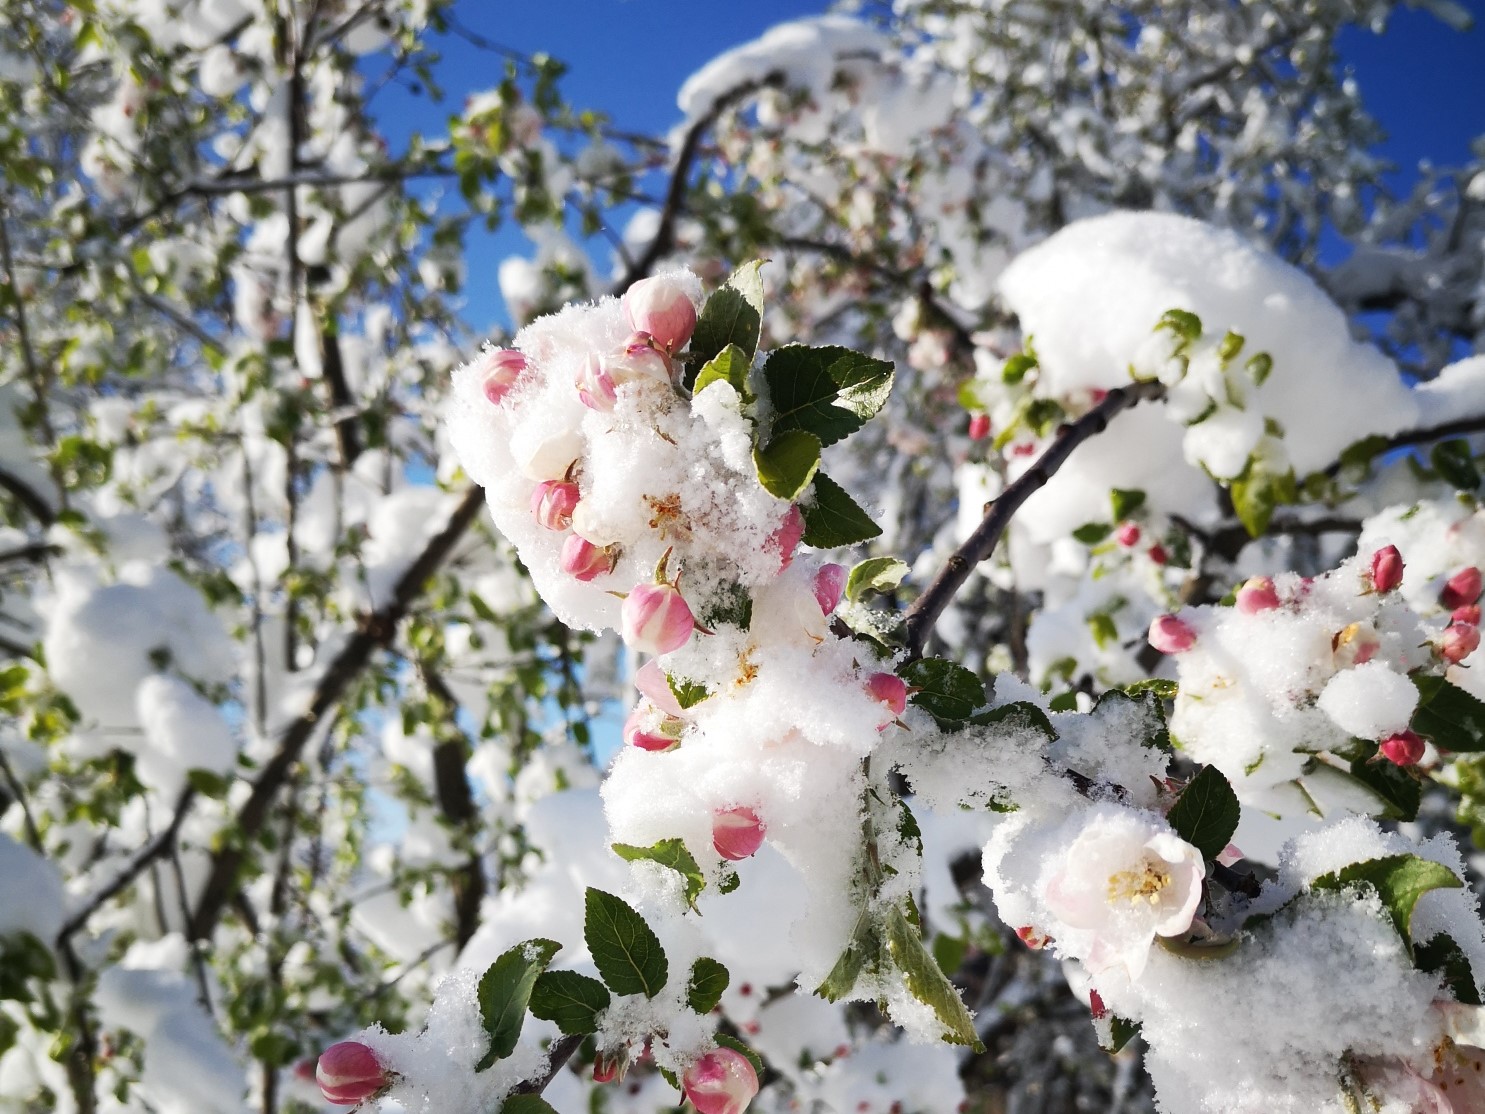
(1142, 885)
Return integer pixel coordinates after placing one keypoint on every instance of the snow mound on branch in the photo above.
(24, 873)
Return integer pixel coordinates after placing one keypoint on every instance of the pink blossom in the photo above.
(1356, 644)
(661, 307)
(582, 560)
(890, 691)
(502, 368)
(1458, 642)
(1462, 589)
(785, 538)
(639, 360)
(656, 619)
(1257, 595)
(648, 728)
(349, 1073)
(721, 1082)
(830, 584)
(737, 833)
(1469, 614)
(1170, 635)
(1033, 939)
(1127, 535)
(979, 427)
(595, 386)
(552, 503)
(652, 682)
(1386, 569)
(1402, 749)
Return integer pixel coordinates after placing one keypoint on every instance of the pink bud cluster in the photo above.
(663, 317)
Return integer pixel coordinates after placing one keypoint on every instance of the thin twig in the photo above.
(558, 1055)
(1460, 427)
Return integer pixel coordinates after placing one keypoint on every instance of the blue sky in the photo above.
(1424, 82)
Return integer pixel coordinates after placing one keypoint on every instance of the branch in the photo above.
(28, 497)
(374, 630)
(1460, 427)
(675, 196)
(924, 612)
(560, 1052)
(456, 801)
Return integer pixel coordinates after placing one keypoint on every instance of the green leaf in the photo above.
(788, 463)
(1206, 813)
(1443, 955)
(738, 1046)
(1043, 415)
(571, 1000)
(1160, 686)
(527, 1104)
(687, 693)
(1402, 792)
(1125, 501)
(1103, 630)
(875, 574)
(946, 690)
(1121, 1032)
(829, 391)
(208, 783)
(1453, 461)
(1019, 715)
(731, 366)
(1399, 880)
(1183, 323)
(926, 982)
(1360, 454)
(833, 519)
(625, 950)
(1064, 701)
(1091, 533)
(1448, 715)
(1230, 345)
(949, 951)
(1257, 492)
(505, 991)
(1154, 732)
(732, 315)
(1016, 368)
(704, 989)
(862, 953)
(671, 853)
(731, 604)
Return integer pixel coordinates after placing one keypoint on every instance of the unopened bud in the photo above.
(737, 833)
(721, 1082)
(785, 538)
(349, 1073)
(979, 427)
(637, 361)
(1158, 554)
(1470, 614)
(830, 585)
(650, 729)
(1386, 569)
(607, 1067)
(1033, 939)
(552, 503)
(1462, 589)
(595, 386)
(661, 307)
(1458, 642)
(1403, 749)
(890, 691)
(1127, 535)
(582, 560)
(1170, 635)
(656, 619)
(502, 368)
(1257, 595)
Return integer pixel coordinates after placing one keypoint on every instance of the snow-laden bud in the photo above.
(638, 360)
(1356, 644)
(1462, 589)
(656, 619)
(552, 503)
(1170, 635)
(608, 1066)
(582, 560)
(979, 427)
(652, 682)
(588, 521)
(1033, 939)
(829, 585)
(1127, 535)
(502, 368)
(648, 728)
(661, 307)
(595, 386)
(1257, 595)
(721, 1082)
(737, 833)
(785, 537)
(890, 691)
(1402, 749)
(1386, 569)
(1470, 614)
(349, 1073)
(1458, 642)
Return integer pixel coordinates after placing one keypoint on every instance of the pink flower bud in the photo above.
(1170, 635)
(1470, 614)
(552, 503)
(1462, 589)
(979, 427)
(1403, 749)
(595, 386)
(1158, 554)
(606, 1067)
(639, 359)
(652, 682)
(582, 560)
(1458, 642)
(1230, 854)
(888, 690)
(1386, 569)
(656, 619)
(1257, 595)
(349, 1073)
(830, 585)
(650, 729)
(1128, 534)
(785, 538)
(737, 833)
(1033, 939)
(503, 368)
(721, 1082)
(1096, 1006)
(661, 307)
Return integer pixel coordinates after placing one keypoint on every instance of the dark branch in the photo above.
(924, 612)
(558, 1055)
(28, 497)
(456, 802)
(1460, 427)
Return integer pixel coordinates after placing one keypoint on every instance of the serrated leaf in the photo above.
(527, 1104)
(1258, 492)
(671, 853)
(1451, 717)
(828, 391)
(863, 952)
(704, 989)
(1155, 733)
(1402, 792)
(788, 463)
(946, 690)
(738, 1046)
(875, 574)
(926, 982)
(732, 315)
(1453, 461)
(1445, 957)
(1125, 501)
(505, 991)
(570, 999)
(833, 519)
(730, 366)
(1399, 880)
(625, 949)
(1019, 715)
(731, 604)
(1206, 813)
(1162, 687)
(687, 693)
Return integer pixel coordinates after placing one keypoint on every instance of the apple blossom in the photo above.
(1462, 589)
(979, 427)
(737, 833)
(890, 691)
(595, 386)
(1386, 569)
(349, 1073)
(1404, 748)
(830, 584)
(552, 503)
(1257, 595)
(639, 360)
(661, 307)
(1469, 614)
(1458, 642)
(503, 369)
(652, 682)
(1355, 644)
(582, 560)
(1171, 635)
(650, 728)
(785, 537)
(606, 1067)
(656, 619)
(721, 1082)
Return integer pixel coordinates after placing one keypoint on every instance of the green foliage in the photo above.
(707, 983)
(926, 982)
(788, 463)
(571, 1000)
(945, 689)
(732, 316)
(1399, 880)
(875, 574)
(1451, 717)
(832, 518)
(673, 854)
(625, 949)
(505, 991)
(1207, 812)
(829, 392)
